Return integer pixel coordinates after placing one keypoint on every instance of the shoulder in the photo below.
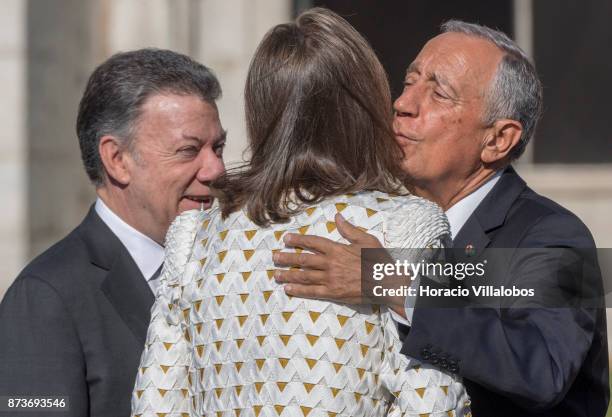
(374, 202)
(406, 221)
(180, 239)
(61, 264)
(549, 223)
(51, 279)
(416, 223)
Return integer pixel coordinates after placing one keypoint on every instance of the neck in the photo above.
(117, 201)
(448, 192)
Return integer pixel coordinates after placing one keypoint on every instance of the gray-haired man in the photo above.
(469, 107)
(74, 322)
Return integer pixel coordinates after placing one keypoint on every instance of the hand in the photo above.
(332, 272)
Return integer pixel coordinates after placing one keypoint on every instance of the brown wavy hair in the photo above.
(318, 115)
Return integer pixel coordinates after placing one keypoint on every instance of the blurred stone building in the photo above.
(49, 47)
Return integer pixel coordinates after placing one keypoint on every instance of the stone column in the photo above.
(59, 62)
(523, 35)
(13, 237)
(229, 32)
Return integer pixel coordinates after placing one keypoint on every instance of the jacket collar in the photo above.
(491, 213)
(124, 285)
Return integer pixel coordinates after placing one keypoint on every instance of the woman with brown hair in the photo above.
(225, 339)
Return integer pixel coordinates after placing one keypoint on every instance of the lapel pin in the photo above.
(470, 250)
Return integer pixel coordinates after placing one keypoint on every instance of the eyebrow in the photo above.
(437, 78)
(221, 138)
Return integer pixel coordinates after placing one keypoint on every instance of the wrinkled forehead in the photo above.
(468, 62)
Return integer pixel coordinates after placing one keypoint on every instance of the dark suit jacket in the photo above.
(520, 362)
(74, 324)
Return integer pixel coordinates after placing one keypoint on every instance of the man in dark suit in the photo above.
(469, 107)
(74, 322)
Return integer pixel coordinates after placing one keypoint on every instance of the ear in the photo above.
(503, 136)
(115, 159)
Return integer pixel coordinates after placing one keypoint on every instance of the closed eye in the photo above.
(189, 150)
(440, 94)
(218, 149)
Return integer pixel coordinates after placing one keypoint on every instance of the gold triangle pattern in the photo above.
(311, 362)
(317, 326)
(340, 206)
(285, 338)
(314, 316)
(312, 339)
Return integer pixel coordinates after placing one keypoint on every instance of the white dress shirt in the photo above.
(457, 215)
(146, 253)
(462, 210)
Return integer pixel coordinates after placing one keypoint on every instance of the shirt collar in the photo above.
(458, 213)
(146, 253)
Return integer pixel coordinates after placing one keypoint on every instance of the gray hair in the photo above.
(515, 91)
(117, 89)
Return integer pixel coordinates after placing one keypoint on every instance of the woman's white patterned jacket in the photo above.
(225, 340)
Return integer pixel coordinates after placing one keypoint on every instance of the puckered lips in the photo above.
(405, 138)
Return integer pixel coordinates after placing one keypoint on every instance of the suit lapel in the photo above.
(129, 293)
(124, 285)
(490, 213)
(473, 235)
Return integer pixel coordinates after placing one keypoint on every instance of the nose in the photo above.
(211, 166)
(406, 105)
